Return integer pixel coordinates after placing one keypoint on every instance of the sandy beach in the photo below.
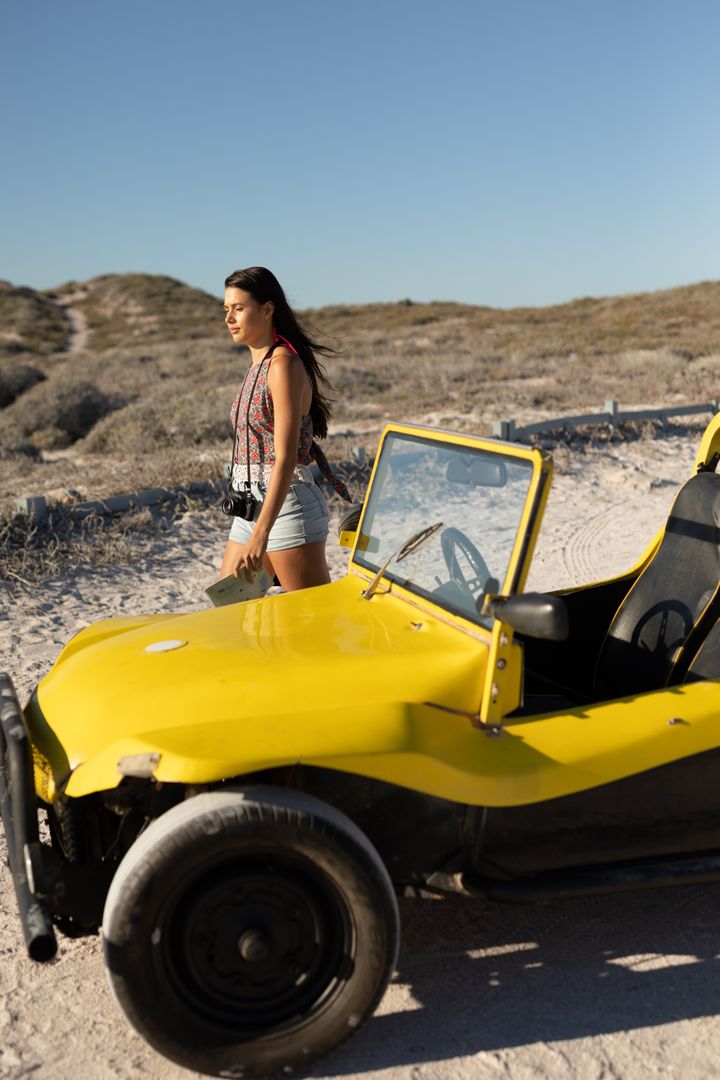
(612, 987)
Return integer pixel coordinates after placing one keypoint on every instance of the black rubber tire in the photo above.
(66, 831)
(248, 932)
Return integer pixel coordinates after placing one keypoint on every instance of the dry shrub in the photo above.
(61, 404)
(162, 370)
(356, 380)
(120, 308)
(15, 379)
(30, 551)
(687, 320)
(182, 420)
(96, 476)
(30, 321)
(52, 438)
(13, 446)
(575, 441)
(135, 429)
(563, 459)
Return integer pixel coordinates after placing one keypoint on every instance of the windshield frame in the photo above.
(527, 528)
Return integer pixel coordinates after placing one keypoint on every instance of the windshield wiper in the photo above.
(411, 545)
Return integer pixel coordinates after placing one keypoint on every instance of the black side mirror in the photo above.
(536, 615)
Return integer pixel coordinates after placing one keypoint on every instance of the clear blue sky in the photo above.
(506, 152)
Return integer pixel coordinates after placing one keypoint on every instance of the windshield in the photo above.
(478, 496)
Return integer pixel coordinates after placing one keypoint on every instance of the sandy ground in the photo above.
(611, 987)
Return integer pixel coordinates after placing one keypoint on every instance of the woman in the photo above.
(279, 408)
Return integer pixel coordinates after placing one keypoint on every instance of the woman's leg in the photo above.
(229, 560)
(296, 568)
(300, 567)
(267, 563)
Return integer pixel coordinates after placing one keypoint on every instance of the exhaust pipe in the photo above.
(19, 816)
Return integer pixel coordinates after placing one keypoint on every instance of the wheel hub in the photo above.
(254, 946)
(256, 943)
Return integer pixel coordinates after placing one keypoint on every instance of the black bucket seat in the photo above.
(674, 602)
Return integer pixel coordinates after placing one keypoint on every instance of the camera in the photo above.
(239, 504)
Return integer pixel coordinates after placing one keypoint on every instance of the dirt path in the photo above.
(611, 987)
(77, 322)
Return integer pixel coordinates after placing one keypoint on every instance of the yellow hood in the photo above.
(308, 676)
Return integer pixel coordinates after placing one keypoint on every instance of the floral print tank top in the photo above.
(253, 419)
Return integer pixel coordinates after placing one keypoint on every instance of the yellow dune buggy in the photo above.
(236, 796)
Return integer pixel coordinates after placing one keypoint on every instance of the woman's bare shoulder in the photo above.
(286, 369)
(283, 354)
(284, 362)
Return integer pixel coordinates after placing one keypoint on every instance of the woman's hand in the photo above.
(249, 556)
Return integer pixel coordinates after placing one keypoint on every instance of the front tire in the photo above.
(249, 932)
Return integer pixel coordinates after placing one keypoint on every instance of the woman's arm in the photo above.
(289, 386)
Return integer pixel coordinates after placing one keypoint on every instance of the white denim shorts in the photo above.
(303, 518)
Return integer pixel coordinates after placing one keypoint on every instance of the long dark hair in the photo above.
(263, 286)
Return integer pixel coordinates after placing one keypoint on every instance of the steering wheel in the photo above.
(452, 539)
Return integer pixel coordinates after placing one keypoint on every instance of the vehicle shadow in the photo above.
(475, 976)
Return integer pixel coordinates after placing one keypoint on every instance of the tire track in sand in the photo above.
(578, 552)
(588, 547)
